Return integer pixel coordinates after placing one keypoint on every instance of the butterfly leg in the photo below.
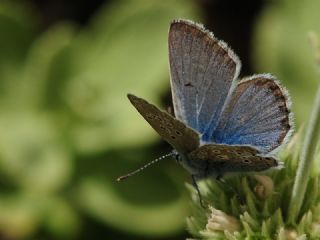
(222, 181)
(194, 183)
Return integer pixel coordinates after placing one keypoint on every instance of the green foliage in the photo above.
(67, 129)
(257, 217)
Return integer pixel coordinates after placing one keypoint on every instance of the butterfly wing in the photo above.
(219, 159)
(202, 71)
(176, 133)
(257, 114)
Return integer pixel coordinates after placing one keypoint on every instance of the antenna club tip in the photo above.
(119, 179)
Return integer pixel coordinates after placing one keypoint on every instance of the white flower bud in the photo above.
(264, 187)
(220, 221)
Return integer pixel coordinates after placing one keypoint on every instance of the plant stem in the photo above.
(306, 161)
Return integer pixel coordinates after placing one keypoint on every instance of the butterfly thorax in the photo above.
(215, 160)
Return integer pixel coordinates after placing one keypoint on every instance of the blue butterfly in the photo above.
(222, 124)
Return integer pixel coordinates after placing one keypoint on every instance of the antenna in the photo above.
(143, 167)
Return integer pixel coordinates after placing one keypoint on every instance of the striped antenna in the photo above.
(145, 166)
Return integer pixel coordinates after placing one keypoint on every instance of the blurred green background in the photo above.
(67, 130)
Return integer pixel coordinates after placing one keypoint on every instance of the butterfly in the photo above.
(222, 124)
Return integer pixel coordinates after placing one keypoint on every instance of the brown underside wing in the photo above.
(182, 138)
(216, 159)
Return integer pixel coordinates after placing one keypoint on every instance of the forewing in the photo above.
(202, 71)
(182, 138)
(257, 114)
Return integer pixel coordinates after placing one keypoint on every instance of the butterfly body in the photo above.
(202, 160)
(222, 124)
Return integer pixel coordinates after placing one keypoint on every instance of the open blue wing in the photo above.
(257, 114)
(202, 72)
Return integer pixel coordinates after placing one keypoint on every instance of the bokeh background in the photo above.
(67, 130)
